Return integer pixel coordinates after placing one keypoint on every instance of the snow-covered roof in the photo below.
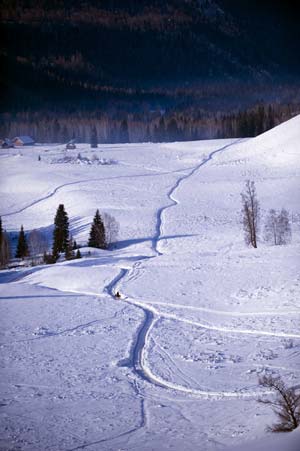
(7, 141)
(25, 139)
(72, 141)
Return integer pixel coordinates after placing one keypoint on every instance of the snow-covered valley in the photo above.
(173, 364)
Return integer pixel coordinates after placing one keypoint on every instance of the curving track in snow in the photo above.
(78, 182)
(142, 340)
(138, 358)
(159, 223)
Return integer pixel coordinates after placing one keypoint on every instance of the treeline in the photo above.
(145, 127)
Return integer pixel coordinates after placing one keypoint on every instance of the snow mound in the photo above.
(79, 159)
(278, 147)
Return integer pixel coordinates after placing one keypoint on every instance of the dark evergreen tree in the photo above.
(56, 131)
(22, 247)
(65, 134)
(69, 252)
(97, 233)
(94, 137)
(173, 131)
(270, 118)
(78, 254)
(61, 232)
(48, 258)
(124, 134)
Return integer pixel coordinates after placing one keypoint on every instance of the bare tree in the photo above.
(251, 213)
(37, 244)
(284, 227)
(4, 250)
(277, 227)
(286, 405)
(111, 228)
(271, 230)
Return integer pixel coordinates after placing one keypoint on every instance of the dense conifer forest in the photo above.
(147, 70)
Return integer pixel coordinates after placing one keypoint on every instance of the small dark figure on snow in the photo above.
(117, 295)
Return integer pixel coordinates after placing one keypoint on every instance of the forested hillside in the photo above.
(149, 58)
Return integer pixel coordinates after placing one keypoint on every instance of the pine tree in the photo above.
(172, 130)
(97, 233)
(61, 232)
(161, 131)
(78, 254)
(22, 247)
(69, 252)
(94, 137)
(124, 135)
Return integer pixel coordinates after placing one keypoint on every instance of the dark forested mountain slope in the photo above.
(145, 54)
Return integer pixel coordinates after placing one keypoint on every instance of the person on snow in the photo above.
(117, 295)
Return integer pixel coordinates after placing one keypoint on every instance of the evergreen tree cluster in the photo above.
(104, 230)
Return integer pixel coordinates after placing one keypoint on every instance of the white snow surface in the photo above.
(174, 363)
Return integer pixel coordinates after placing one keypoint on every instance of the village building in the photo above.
(6, 143)
(23, 141)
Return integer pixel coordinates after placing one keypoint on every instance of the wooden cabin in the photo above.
(23, 141)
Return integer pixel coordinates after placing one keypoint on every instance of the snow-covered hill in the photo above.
(175, 363)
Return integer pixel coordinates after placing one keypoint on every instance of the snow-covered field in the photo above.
(175, 363)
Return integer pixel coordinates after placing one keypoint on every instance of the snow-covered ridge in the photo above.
(274, 148)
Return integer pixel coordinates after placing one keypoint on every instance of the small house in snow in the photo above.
(23, 141)
(6, 143)
(71, 145)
